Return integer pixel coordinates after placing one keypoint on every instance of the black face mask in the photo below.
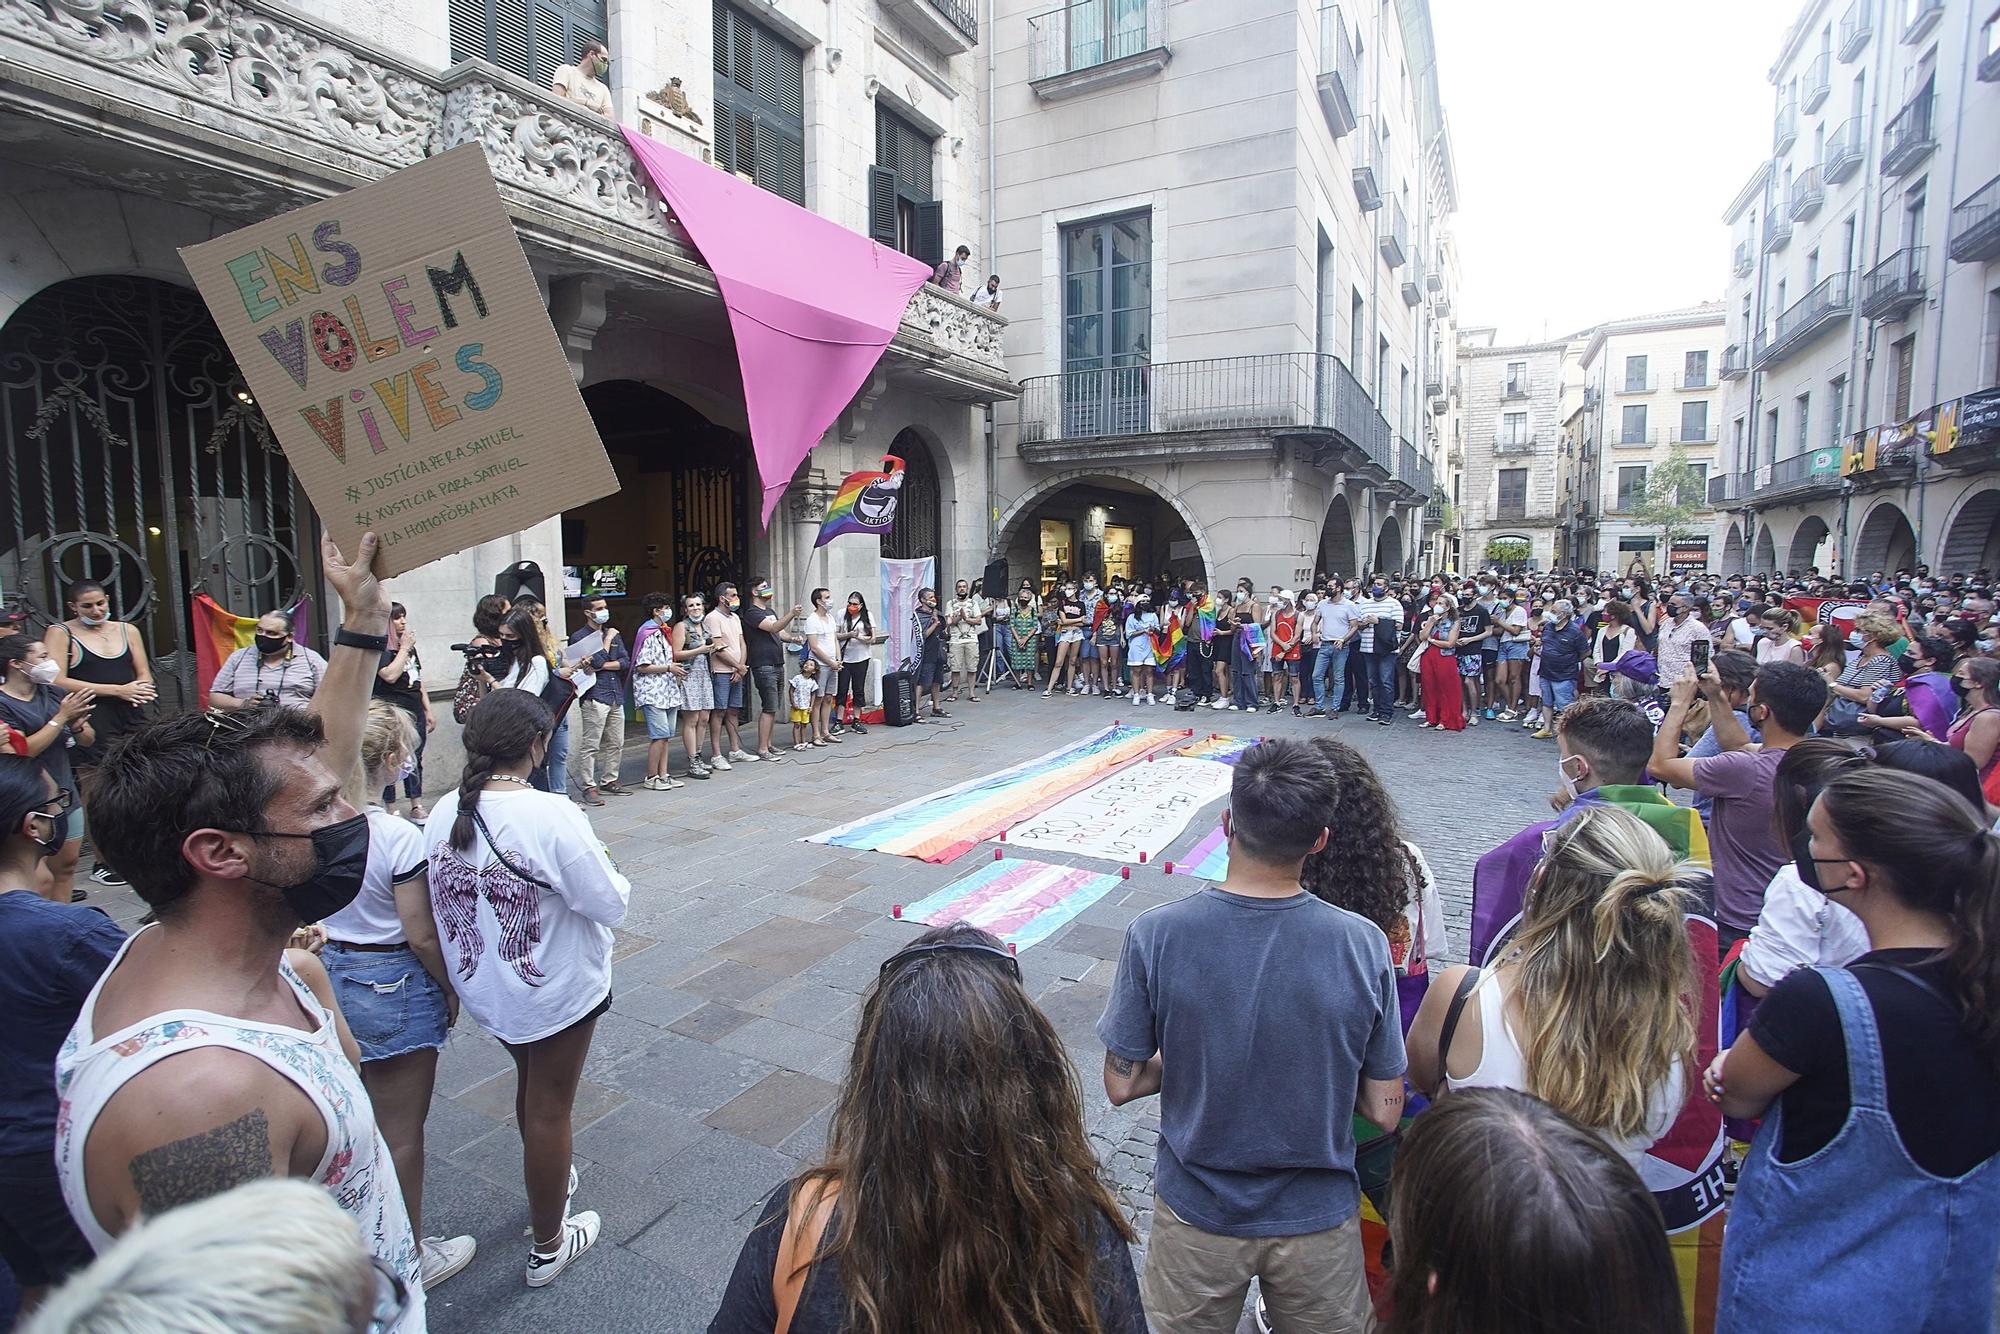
(341, 851)
(1958, 688)
(270, 644)
(58, 832)
(1802, 861)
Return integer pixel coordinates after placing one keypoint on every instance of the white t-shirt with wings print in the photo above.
(527, 960)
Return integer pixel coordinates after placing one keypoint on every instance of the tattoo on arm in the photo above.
(1119, 1065)
(203, 1165)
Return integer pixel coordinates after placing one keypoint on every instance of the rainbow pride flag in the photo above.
(945, 825)
(1223, 749)
(219, 632)
(865, 502)
(1022, 902)
(1204, 617)
(1169, 645)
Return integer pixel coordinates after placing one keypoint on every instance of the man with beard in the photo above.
(207, 1055)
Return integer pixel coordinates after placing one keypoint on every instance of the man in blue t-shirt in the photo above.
(1276, 1015)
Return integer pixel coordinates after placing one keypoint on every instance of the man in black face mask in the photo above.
(233, 828)
(270, 668)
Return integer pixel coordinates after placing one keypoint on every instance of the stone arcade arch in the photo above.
(1886, 541)
(1808, 543)
(1972, 538)
(1764, 552)
(1337, 551)
(1018, 533)
(1732, 551)
(1389, 545)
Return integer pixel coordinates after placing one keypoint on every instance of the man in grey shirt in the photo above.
(1276, 1013)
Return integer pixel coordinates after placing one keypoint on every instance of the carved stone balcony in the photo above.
(246, 110)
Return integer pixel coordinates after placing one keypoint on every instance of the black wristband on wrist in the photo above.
(345, 638)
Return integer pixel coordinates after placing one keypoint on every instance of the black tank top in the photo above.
(110, 718)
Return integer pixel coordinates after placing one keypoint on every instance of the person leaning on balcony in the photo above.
(989, 295)
(583, 83)
(950, 275)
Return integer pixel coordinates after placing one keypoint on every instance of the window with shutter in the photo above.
(525, 37)
(882, 205)
(760, 90)
(930, 233)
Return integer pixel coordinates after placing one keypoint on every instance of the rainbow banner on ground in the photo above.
(1022, 902)
(1206, 860)
(1222, 749)
(943, 826)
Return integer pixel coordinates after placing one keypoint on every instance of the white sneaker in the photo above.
(579, 1233)
(1219, 704)
(721, 762)
(445, 1256)
(1167, 699)
(742, 756)
(1416, 713)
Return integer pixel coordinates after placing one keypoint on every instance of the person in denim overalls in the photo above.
(1887, 1214)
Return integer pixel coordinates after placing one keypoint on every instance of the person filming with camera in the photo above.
(271, 669)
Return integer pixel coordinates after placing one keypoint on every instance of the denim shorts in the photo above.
(770, 683)
(659, 721)
(392, 1005)
(728, 691)
(1513, 652)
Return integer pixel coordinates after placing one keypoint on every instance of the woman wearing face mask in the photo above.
(1443, 701)
(1109, 633)
(1924, 703)
(692, 648)
(1781, 639)
(525, 898)
(109, 658)
(1798, 927)
(1878, 1083)
(858, 637)
(400, 682)
(657, 689)
(54, 723)
(51, 954)
(390, 978)
(1645, 608)
(1976, 730)
(1141, 623)
(1070, 623)
(1024, 629)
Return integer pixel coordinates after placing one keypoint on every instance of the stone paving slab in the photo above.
(738, 980)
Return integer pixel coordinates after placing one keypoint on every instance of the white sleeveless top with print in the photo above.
(356, 1169)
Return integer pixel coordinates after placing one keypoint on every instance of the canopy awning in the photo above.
(812, 304)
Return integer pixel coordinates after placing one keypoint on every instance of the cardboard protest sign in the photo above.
(396, 342)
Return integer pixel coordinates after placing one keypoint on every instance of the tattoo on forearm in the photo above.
(1119, 1065)
(203, 1165)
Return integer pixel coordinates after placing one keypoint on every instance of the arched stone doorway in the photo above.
(136, 456)
(1104, 522)
(1812, 545)
(680, 519)
(1972, 542)
(1764, 557)
(1732, 551)
(918, 527)
(1389, 546)
(1886, 542)
(1337, 554)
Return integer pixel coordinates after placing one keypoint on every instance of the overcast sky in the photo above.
(1597, 143)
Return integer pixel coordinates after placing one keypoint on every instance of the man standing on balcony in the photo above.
(583, 83)
(950, 275)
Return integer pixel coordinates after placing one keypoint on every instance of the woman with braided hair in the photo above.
(525, 899)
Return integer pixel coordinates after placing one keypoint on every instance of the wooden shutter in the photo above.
(930, 232)
(882, 206)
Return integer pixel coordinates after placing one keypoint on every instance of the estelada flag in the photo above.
(865, 503)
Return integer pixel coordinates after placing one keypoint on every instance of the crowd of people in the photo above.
(308, 947)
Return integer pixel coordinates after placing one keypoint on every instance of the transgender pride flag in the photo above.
(1022, 902)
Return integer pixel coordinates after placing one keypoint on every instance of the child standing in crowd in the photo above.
(805, 691)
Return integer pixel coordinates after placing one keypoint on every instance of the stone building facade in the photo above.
(1507, 486)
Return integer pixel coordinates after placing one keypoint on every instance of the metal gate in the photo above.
(135, 456)
(918, 528)
(711, 515)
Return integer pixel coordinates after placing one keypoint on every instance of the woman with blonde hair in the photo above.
(1867, 680)
(1592, 1007)
(1783, 638)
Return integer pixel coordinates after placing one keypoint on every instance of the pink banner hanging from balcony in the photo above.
(811, 303)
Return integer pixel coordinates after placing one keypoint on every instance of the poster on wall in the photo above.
(1688, 555)
(395, 340)
(902, 580)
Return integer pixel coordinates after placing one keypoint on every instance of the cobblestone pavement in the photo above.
(738, 979)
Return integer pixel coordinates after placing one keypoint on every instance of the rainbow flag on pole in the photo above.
(865, 502)
(219, 632)
(1169, 645)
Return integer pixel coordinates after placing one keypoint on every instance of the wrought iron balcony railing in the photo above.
(1086, 34)
(1395, 243)
(1844, 150)
(1909, 138)
(1807, 194)
(1975, 225)
(1893, 287)
(1785, 127)
(1735, 362)
(1777, 233)
(1805, 320)
(1856, 26)
(1339, 72)
(1815, 82)
(1922, 17)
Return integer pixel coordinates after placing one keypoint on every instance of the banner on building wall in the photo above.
(865, 502)
(902, 580)
(395, 339)
(1977, 421)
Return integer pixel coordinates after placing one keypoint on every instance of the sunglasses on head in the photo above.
(913, 952)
